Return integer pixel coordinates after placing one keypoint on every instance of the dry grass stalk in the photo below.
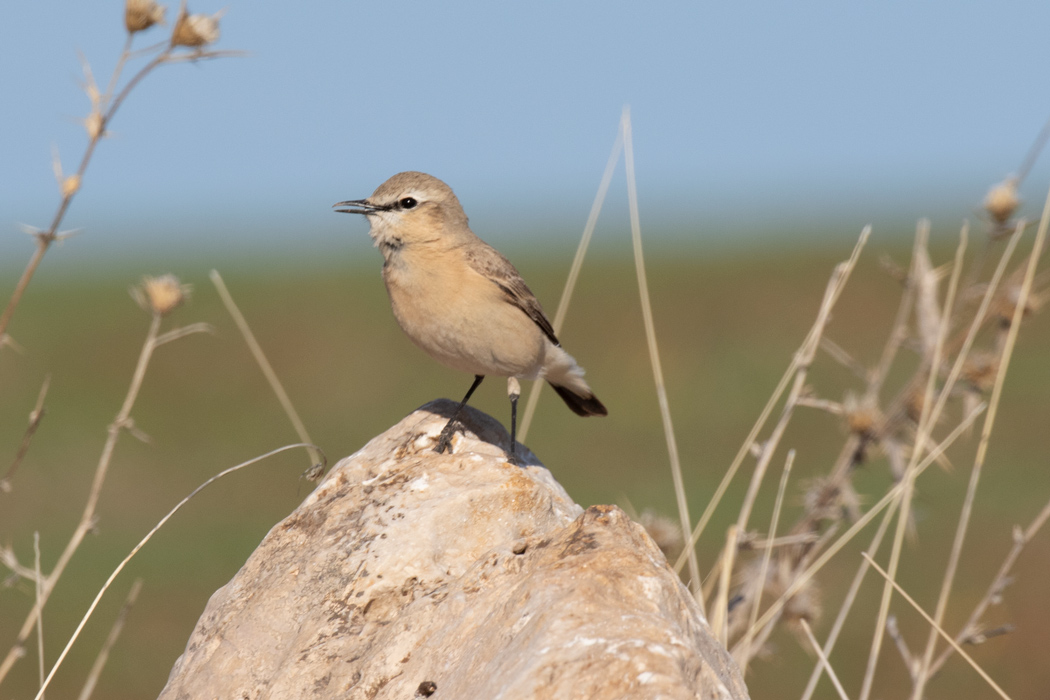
(123, 421)
(111, 639)
(933, 327)
(267, 370)
(654, 353)
(970, 630)
(929, 420)
(147, 538)
(744, 655)
(847, 603)
(35, 416)
(810, 569)
(824, 660)
(904, 431)
(749, 441)
(720, 611)
(982, 447)
(801, 362)
(894, 633)
(911, 601)
(574, 272)
(38, 586)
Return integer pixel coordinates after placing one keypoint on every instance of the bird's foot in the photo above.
(513, 458)
(444, 443)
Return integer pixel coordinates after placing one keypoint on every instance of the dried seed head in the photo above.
(142, 14)
(827, 499)
(915, 401)
(195, 31)
(93, 125)
(70, 185)
(666, 533)
(980, 370)
(160, 295)
(1006, 300)
(862, 414)
(805, 603)
(1002, 200)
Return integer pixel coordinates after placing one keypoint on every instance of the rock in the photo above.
(409, 574)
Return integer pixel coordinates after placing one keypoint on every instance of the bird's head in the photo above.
(410, 207)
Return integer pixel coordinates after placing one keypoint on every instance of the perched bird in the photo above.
(461, 301)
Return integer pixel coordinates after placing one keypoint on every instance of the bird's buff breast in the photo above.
(462, 320)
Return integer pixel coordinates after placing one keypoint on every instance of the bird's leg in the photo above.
(445, 439)
(514, 391)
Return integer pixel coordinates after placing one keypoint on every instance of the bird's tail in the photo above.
(562, 372)
(588, 405)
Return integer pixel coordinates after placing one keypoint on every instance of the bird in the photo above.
(460, 300)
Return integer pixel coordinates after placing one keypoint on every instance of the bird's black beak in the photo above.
(357, 206)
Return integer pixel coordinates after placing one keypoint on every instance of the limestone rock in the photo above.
(410, 574)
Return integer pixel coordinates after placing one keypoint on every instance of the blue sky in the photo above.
(744, 113)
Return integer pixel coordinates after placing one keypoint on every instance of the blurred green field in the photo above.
(727, 322)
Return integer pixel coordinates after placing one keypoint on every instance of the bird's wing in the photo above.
(489, 263)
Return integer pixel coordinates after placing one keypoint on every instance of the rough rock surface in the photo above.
(410, 574)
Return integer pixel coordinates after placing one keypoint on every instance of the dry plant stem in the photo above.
(765, 628)
(144, 540)
(1033, 152)
(823, 659)
(844, 358)
(982, 450)
(785, 541)
(44, 239)
(745, 448)
(806, 355)
(574, 271)
(847, 603)
(892, 495)
(720, 614)
(111, 639)
(264, 364)
(38, 579)
(735, 465)
(802, 361)
(744, 656)
(654, 353)
(911, 473)
(35, 417)
(87, 518)
(894, 632)
(940, 631)
(998, 583)
(898, 332)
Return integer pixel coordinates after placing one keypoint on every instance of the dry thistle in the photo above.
(142, 14)
(666, 533)
(195, 31)
(805, 604)
(862, 414)
(980, 370)
(915, 401)
(1005, 301)
(827, 499)
(1002, 200)
(160, 295)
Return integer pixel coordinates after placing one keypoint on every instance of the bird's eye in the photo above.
(407, 203)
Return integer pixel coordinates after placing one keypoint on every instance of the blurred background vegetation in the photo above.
(728, 321)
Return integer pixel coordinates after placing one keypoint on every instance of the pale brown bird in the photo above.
(461, 301)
